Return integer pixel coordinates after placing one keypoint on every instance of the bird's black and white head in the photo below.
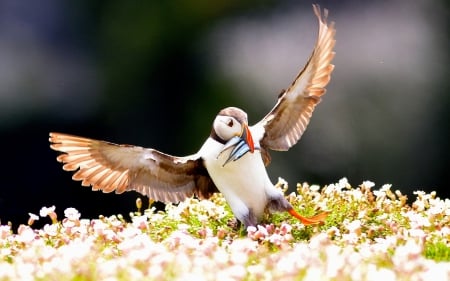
(231, 129)
(228, 124)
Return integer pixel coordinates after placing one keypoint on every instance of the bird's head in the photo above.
(231, 126)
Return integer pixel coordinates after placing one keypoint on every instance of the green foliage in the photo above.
(438, 251)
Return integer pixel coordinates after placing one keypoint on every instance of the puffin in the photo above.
(231, 161)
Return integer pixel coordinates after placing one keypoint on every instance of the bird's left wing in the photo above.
(283, 126)
(111, 167)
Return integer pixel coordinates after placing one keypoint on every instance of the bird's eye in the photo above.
(230, 123)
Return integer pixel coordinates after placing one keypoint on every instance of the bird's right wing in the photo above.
(283, 126)
(111, 167)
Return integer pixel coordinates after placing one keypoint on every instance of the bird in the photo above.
(231, 161)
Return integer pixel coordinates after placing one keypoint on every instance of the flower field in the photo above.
(370, 234)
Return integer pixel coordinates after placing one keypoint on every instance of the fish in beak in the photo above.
(242, 144)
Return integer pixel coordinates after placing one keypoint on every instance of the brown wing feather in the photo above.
(111, 167)
(286, 122)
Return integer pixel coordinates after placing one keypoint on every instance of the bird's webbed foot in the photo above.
(280, 204)
(249, 219)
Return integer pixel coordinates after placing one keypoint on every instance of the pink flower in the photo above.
(5, 231)
(140, 222)
(32, 218)
(285, 228)
(258, 233)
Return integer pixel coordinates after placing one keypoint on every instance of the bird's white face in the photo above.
(227, 127)
(231, 129)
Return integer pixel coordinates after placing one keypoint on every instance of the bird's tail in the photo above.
(311, 220)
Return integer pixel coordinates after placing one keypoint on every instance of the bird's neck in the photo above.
(216, 137)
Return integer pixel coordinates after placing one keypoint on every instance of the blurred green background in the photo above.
(155, 74)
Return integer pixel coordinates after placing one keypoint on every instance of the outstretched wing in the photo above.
(111, 167)
(283, 126)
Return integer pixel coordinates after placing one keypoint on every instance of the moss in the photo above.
(438, 251)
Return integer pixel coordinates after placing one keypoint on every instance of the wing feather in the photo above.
(111, 167)
(283, 126)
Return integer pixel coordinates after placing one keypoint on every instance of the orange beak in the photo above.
(247, 137)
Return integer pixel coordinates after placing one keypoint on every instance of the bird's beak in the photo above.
(247, 137)
(242, 144)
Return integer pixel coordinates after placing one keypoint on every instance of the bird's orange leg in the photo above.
(311, 220)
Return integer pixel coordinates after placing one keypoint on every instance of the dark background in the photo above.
(155, 73)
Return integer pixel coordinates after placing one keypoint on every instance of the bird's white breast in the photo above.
(244, 183)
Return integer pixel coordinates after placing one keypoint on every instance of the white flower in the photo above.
(417, 220)
(234, 272)
(434, 271)
(419, 205)
(386, 187)
(334, 260)
(350, 238)
(72, 214)
(368, 184)
(33, 217)
(381, 193)
(26, 234)
(343, 183)
(376, 274)
(407, 256)
(51, 229)
(357, 195)
(354, 226)
(336, 188)
(383, 244)
(333, 232)
(417, 233)
(45, 211)
(445, 231)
